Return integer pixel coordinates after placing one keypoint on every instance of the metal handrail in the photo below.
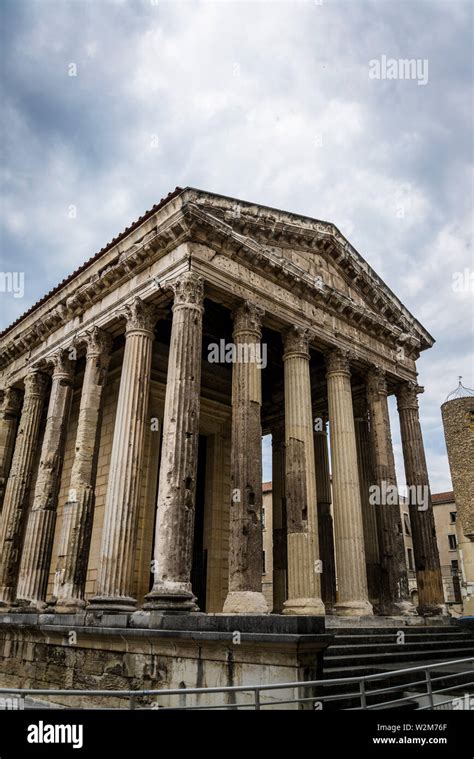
(257, 690)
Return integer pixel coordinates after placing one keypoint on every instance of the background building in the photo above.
(458, 422)
(445, 514)
(408, 543)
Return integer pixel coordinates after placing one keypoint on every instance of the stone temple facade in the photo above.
(134, 399)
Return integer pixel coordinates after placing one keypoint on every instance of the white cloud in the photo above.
(267, 101)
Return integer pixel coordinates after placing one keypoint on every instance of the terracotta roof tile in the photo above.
(96, 256)
(442, 497)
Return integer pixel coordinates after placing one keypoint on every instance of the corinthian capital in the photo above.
(376, 383)
(64, 361)
(296, 340)
(337, 360)
(139, 316)
(407, 393)
(98, 342)
(35, 384)
(11, 402)
(248, 318)
(188, 289)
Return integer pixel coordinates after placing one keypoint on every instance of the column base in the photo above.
(171, 596)
(69, 605)
(245, 602)
(433, 610)
(354, 609)
(112, 603)
(395, 609)
(31, 607)
(310, 607)
(406, 608)
(5, 601)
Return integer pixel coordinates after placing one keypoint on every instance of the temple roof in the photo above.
(260, 227)
(94, 257)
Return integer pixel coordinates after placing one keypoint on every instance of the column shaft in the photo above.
(173, 551)
(350, 550)
(9, 412)
(18, 485)
(304, 564)
(117, 553)
(425, 549)
(279, 520)
(78, 511)
(394, 591)
(38, 545)
(369, 516)
(325, 521)
(246, 543)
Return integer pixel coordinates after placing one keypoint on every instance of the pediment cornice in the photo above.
(299, 233)
(378, 316)
(249, 233)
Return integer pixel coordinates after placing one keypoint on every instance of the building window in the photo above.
(263, 562)
(406, 522)
(410, 562)
(452, 542)
(263, 518)
(452, 517)
(454, 566)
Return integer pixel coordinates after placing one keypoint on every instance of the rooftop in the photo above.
(460, 392)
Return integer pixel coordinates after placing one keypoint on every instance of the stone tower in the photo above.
(458, 421)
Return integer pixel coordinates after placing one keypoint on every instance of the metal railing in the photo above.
(302, 695)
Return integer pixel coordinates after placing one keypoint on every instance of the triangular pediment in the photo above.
(309, 256)
(307, 248)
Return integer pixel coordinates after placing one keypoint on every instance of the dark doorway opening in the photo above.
(199, 568)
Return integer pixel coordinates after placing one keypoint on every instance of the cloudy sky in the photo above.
(108, 105)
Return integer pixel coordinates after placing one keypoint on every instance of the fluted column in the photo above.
(369, 515)
(9, 413)
(425, 549)
(38, 544)
(78, 511)
(304, 567)
(246, 544)
(348, 523)
(18, 484)
(394, 591)
(325, 521)
(173, 551)
(279, 518)
(117, 552)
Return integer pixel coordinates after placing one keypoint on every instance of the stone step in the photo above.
(408, 629)
(404, 656)
(355, 640)
(404, 679)
(402, 683)
(339, 672)
(361, 651)
(353, 702)
(407, 648)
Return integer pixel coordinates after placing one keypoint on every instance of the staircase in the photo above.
(360, 651)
